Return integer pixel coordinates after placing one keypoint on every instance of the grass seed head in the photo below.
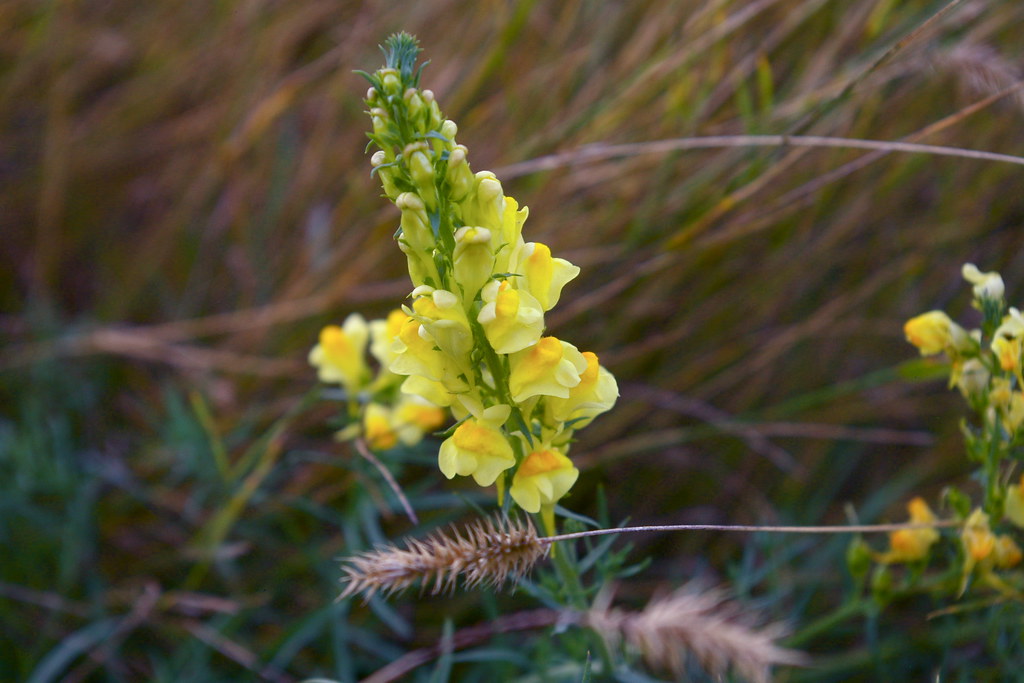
(487, 552)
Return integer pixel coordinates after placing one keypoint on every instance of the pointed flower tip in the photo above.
(400, 52)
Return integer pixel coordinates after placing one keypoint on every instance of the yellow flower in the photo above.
(911, 545)
(415, 416)
(512, 319)
(441, 314)
(1006, 342)
(542, 479)
(548, 368)
(1013, 507)
(977, 540)
(377, 428)
(511, 235)
(986, 285)
(431, 390)
(339, 355)
(382, 336)
(1013, 414)
(478, 448)
(1007, 553)
(595, 394)
(416, 354)
(543, 276)
(972, 377)
(931, 332)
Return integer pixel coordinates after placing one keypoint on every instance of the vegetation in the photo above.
(186, 204)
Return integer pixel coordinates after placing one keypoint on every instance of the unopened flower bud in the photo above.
(986, 285)
(386, 175)
(474, 261)
(458, 175)
(415, 104)
(391, 81)
(422, 171)
(449, 129)
(973, 378)
(371, 96)
(380, 119)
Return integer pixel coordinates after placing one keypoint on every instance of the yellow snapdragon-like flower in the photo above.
(977, 538)
(512, 319)
(339, 357)
(972, 378)
(442, 316)
(478, 448)
(932, 332)
(1006, 342)
(1013, 507)
(595, 394)
(543, 276)
(377, 427)
(511, 236)
(550, 367)
(912, 545)
(382, 336)
(414, 416)
(1007, 553)
(542, 479)
(1013, 414)
(986, 285)
(416, 354)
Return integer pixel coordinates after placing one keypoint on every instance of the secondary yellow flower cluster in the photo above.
(991, 379)
(473, 337)
(388, 417)
(985, 365)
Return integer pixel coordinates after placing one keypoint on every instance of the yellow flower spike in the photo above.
(415, 416)
(931, 332)
(542, 479)
(478, 448)
(377, 428)
(443, 317)
(550, 367)
(595, 394)
(1007, 553)
(1013, 507)
(542, 275)
(474, 261)
(986, 285)
(339, 357)
(512, 319)
(911, 545)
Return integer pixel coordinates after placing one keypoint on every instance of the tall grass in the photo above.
(184, 201)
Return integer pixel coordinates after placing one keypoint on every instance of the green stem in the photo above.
(847, 611)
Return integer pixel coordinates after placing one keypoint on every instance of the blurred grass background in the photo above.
(184, 201)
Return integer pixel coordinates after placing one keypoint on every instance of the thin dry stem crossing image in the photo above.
(512, 341)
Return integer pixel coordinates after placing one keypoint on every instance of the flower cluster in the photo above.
(985, 366)
(472, 338)
(384, 416)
